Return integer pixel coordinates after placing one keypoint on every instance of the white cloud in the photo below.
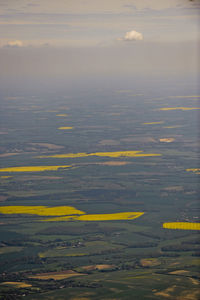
(132, 36)
(15, 43)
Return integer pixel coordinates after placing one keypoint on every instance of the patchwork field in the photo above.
(100, 199)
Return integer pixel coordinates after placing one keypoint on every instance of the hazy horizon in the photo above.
(83, 43)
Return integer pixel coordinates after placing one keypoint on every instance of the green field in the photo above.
(140, 259)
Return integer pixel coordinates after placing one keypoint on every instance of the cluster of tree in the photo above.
(149, 235)
(170, 255)
(15, 276)
(192, 242)
(181, 247)
(26, 259)
(13, 294)
(10, 295)
(13, 243)
(143, 245)
(78, 230)
(196, 253)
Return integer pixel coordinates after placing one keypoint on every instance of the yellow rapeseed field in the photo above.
(152, 123)
(104, 154)
(177, 126)
(67, 213)
(100, 217)
(62, 115)
(196, 170)
(33, 168)
(182, 225)
(65, 128)
(193, 96)
(41, 210)
(17, 284)
(179, 108)
(167, 140)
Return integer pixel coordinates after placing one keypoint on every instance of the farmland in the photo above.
(99, 199)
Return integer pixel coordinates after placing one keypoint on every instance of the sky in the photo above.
(73, 38)
(94, 22)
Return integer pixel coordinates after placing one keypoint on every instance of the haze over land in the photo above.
(99, 152)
